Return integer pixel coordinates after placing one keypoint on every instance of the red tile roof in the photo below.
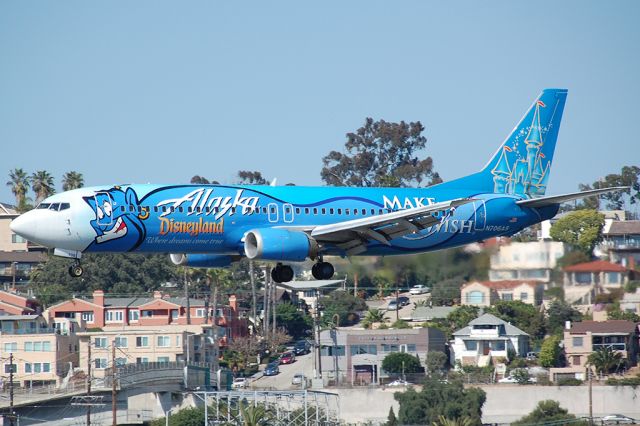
(596, 266)
(610, 326)
(505, 284)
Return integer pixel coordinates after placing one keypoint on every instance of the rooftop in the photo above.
(424, 313)
(488, 319)
(22, 256)
(505, 284)
(596, 266)
(598, 327)
(624, 227)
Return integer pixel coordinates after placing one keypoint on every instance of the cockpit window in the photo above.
(43, 206)
(64, 206)
(54, 206)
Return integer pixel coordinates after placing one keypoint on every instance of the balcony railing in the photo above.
(21, 331)
(614, 346)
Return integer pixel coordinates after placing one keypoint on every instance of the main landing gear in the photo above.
(322, 270)
(76, 269)
(282, 273)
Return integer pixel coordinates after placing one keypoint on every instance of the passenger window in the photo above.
(131, 208)
(347, 211)
(287, 210)
(355, 212)
(324, 211)
(273, 209)
(339, 211)
(330, 211)
(164, 209)
(180, 209)
(233, 210)
(373, 211)
(189, 209)
(306, 210)
(198, 210)
(264, 210)
(364, 212)
(297, 210)
(379, 211)
(155, 209)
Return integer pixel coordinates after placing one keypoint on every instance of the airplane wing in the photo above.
(353, 235)
(557, 199)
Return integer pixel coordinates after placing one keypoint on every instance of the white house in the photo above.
(487, 337)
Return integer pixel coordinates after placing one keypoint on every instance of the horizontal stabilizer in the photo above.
(557, 199)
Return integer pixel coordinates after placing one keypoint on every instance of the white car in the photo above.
(239, 383)
(419, 289)
(398, 382)
(617, 419)
(298, 379)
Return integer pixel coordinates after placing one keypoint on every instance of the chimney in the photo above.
(233, 303)
(98, 297)
(157, 294)
(567, 325)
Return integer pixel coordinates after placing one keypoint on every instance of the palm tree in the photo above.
(72, 180)
(372, 316)
(462, 421)
(605, 360)
(19, 183)
(42, 184)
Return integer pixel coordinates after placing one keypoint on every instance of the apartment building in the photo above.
(583, 338)
(486, 293)
(621, 240)
(583, 281)
(526, 261)
(13, 303)
(43, 353)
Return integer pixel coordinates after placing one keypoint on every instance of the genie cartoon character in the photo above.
(118, 223)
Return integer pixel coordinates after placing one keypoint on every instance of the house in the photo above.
(43, 353)
(583, 338)
(13, 303)
(621, 240)
(487, 337)
(583, 281)
(486, 293)
(107, 312)
(358, 353)
(310, 291)
(526, 261)
(630, 302)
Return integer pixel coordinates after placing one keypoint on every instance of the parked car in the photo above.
(393, 305)
(287, 358)
(617, 419)
(512, 379)
(403, 300)
(298, 379)
(398, 382)
(271, 369)
(419, 289)
(239, 383)
(532, 356)
(301, 347)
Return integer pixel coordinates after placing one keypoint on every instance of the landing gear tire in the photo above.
(282, 273)
(75, 270)
(322, 271)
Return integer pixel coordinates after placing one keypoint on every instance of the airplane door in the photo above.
(104, 208)
(287, 213)
(480, 212)
(273, 212)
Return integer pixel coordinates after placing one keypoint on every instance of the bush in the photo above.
(625, 381)
(569, 381)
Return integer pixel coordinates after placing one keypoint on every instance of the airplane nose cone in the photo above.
(25, 226)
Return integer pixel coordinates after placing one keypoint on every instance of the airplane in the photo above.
(214, 225)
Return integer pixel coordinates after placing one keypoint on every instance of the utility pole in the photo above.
(355, 284)
(273, 307)
(11, 414)
(186, 296)
(89, 382)
(114, 392)
(254, 297)
(318, 330)
(265, 303)
(590, 376)
(397, 303)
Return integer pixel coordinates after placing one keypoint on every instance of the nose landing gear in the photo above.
(76, 269)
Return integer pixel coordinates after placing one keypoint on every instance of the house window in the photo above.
(113, 316)
(120, 362)
(28, 346)
(507, 296)
(524, 296)
(500, 345)
(100, 342)
(582, 277)
(100, 363)
(134, 315)
(577, 342)
(147, 314)
(37, 367)
(364, 349)
(11, 347)
(164, 359)
(475, 297)
(390, 348)
(471, 345)
(87, 316)
(613, 277)
(121, 342)
(174, 313)
(163, 341)
(576, 360)
(142, 360)
(142, 341)
(200, 312)
(332, 350)
(8, 368)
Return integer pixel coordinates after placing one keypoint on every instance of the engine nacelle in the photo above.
(203, 260)
(279, 244)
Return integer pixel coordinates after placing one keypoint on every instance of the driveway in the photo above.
(404, 312)
(282, 380)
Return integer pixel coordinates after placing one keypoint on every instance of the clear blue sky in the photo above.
(151, 91)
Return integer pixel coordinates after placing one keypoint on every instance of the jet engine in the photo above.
(203, 260)
(279, 245)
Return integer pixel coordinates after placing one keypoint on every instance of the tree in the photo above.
(199, 180)
(558, 314)
(251, 178)
(462, 315)
(435, 362)
(628, 176)
(550, 352)
(294, 322)
(344, 304)
(391, 418)
(605, 360)
(443, 421)
(20, 184)
(42, 184)
(547, 412)
(401, 362)
(243, 349)
(380, 154)
(523, 315)
(72, 180)
(580, 229)
(446, 292)
(521, 375)
(436, 399)
(373, 316)
(185, 417)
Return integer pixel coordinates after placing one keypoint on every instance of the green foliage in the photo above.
(344, 304)
(72, 180)
(605, 360)
(396, 361)
(435, 362)
(113, 273)
(446, 292)
(391, 418)
(550, 352)
(556, 293)
(296, 323)
(184, 417)
(42, 184)
(462, 315)
(373, 316)
(380, 154)
(19, 183)
(400, 324)
(615, 313)
(557, 314)
(628, 176)
(573, 258)
(632, 286)
(522, 315)
(569, 381)
(521, 375)
(624, 381)
(580, 229)
(546, 412)
(450, 400)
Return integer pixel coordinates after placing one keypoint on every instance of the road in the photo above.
(282, 381)
(403, 312)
